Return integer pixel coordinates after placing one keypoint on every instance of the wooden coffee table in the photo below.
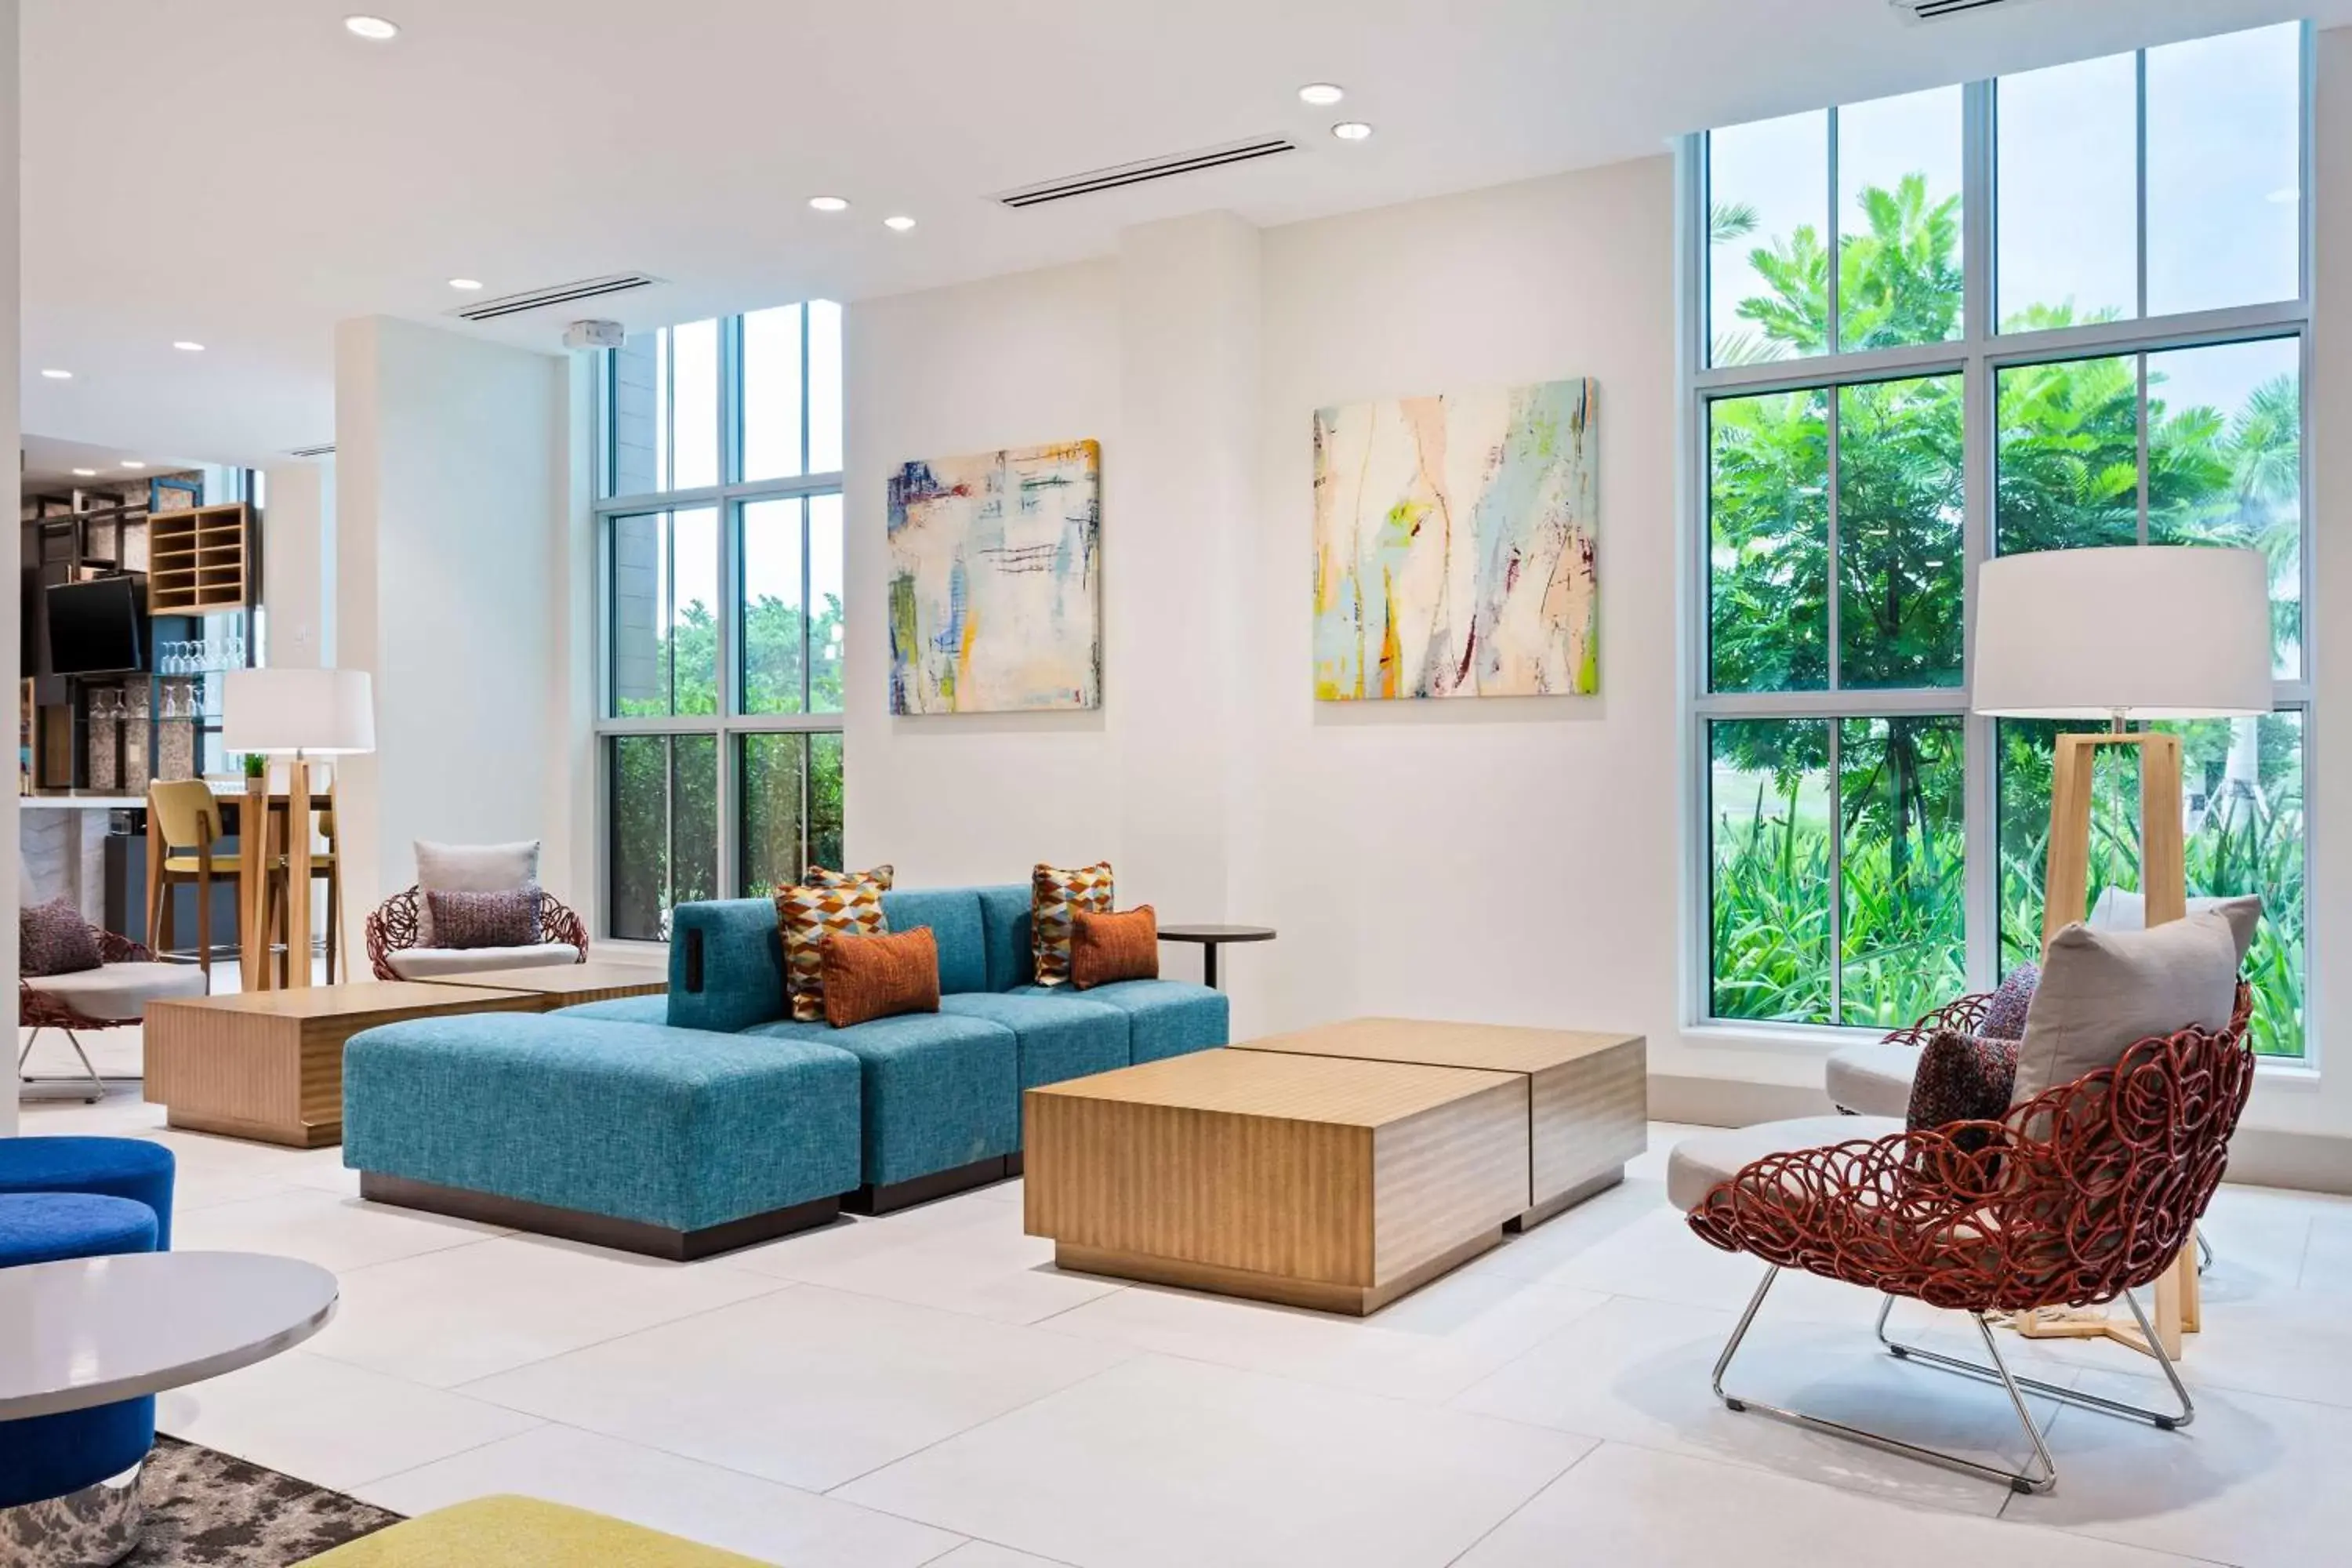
(569, 985)
(1314, 1180)
(268, 1065)
(1587, 1094)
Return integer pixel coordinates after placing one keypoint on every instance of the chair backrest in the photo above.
(2100, 1180)
(187, 813)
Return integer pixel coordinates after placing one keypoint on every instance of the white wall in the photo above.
(453, 491)
(298, 563)
(1506, 860)
(1015, 361)
(11, 550)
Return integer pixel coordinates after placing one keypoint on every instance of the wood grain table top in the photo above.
(1295, 1087)
(359, 999)
(1494, 1046)
(566, 979)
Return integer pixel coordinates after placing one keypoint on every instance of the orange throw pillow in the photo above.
(869, 977)
(1104, 948)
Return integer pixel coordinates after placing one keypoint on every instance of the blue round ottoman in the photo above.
(69, 1482)
(118, 1167)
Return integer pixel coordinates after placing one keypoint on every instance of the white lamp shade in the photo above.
(2151, 631)
(321, 712)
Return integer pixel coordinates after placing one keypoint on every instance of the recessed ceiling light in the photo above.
(375, 29)
(901, 223)
(1351, 130)
(132, 463)
(85, 473)
(1321, 94)
(187, 346)
(468, 284)
(59, 374)
(830, 204)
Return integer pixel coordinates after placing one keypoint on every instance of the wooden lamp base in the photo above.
(2066, 890)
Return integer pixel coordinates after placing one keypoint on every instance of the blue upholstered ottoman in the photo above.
(117, 1167)
(940, 1095)
(675, 1143)
(72, 1477)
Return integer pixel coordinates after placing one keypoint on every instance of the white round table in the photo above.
(91, 1330)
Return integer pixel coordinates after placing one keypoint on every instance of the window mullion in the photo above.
(2139, 364)
(1834, 238)
(1835, 578)
(1837, 874)
(2139, 62)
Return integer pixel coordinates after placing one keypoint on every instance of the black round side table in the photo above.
(1213, 937)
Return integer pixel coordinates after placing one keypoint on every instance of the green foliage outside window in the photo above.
(2067, 440)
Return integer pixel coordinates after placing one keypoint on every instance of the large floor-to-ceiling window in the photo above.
(720, 586)
(2062, 309)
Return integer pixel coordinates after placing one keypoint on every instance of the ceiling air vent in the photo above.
(326, 451)
(561, 294)
(1936, 10)
(1119, 174)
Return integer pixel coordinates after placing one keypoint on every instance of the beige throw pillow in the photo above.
(2120, 909)
(2103, 991)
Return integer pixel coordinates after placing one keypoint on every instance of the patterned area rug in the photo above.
(205, 1509)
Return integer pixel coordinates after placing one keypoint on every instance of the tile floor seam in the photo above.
(536, 1423)
(781, 1287)
(966, 1431)
(1524, 1502)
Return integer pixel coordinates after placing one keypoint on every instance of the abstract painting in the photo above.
(1453, 545)
(996, 588)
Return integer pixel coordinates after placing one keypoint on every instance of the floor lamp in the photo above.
(2150, 632)
(300, 713)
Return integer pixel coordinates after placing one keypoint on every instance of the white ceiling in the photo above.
(245, 174)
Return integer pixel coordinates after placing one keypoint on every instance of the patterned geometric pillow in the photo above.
(818, 876)
(1961, 1077)
(485, 919)
(53, 939)
(807, 915)
(1055, 895)
(2004, 1018)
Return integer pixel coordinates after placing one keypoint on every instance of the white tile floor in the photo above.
(927, 1388)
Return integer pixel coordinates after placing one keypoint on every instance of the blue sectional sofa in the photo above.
(689, 1123)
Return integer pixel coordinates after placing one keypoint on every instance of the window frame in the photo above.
(729, 498)
(1977, 356)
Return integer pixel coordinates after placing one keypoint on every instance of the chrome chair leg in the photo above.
(1998, 1372)
(2204, 1251)
(26, 1054)
(96, 1084)
(2022, 1481)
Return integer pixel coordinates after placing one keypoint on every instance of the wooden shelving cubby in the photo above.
(197, 559)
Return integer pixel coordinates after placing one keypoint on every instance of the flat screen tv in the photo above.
(98, 628)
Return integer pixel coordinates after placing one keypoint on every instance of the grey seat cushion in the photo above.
(119, 993)
(2104, 991)
(1698, 1164)
(427, 963)
(1873, 1078)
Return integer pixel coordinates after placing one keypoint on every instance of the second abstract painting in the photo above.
(1454, 545)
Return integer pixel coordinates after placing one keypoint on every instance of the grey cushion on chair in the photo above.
(470, 869)
(119, 993)
(1699, 1164)
(2104, 991)
(431, 962)
(1872, 1078)
(2116, 910)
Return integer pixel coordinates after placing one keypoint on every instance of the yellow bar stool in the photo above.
(188, 820)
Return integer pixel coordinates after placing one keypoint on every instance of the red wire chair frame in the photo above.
(393, 928)
(2080, 1196)
(37, 1010)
